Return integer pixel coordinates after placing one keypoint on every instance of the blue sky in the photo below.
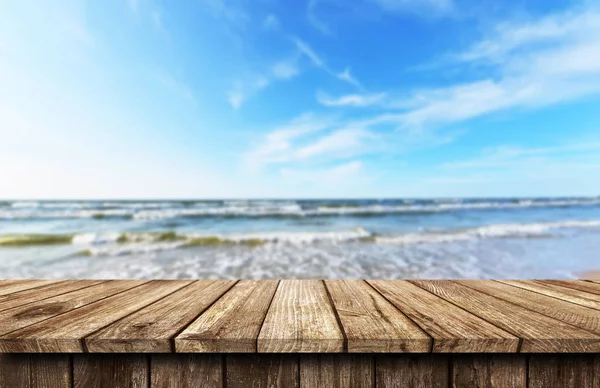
(316, 98)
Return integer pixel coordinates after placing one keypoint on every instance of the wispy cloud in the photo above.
(308, 51)
(357, 100)
(539, 63)
(247, 86)
(319, 62)
(314, 20)
(276, 145)
(271, 22)
(243, 89)
(285, 69)
(347, 77)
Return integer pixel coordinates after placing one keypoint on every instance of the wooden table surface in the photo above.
(299, 316)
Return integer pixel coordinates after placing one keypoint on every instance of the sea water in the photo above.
(260, 239)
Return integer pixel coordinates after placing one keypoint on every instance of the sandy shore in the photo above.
(590, 275)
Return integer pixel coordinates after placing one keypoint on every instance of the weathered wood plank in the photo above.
(539, 332)
(44, 292)
(35, 371)
(564, 371)
(110, 371)
(412, 371)
(569, 294)
(151, 329)
(22, 316)
(186, 371)
(300, 319)
(336, 371)
(581, 285)
(489, 371)
(233, 323)
(452, 328)
(371, 323)
(561, 310)
(12, 286)
(65, 333)
(264, 370)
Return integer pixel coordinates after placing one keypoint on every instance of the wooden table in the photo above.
(299, 333)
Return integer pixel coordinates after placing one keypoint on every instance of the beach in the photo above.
(263, 239)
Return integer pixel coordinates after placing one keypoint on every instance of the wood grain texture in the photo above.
(412, 371)
(489, 371)
(151, 329)
(336, 371)
(186, 371)
(35, 371)
(43, 292)
(371, 323)
(581, 285)
(564, 371)
(452, 328)
(110, 371)
(233, 323)
(564, 311)
(22, 316)
(300, 319)
(538, 332)
(264, 370)
(65, 332)
(12, 286)
(565, 293)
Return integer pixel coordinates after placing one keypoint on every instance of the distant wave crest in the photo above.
(149, 211)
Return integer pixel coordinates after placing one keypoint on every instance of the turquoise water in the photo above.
(387, 238)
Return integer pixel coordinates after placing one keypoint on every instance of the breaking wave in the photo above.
(127, 243)
(148, 211)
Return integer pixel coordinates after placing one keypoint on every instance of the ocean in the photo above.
(261, 239)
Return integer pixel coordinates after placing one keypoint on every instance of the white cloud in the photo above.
(320, 63)
(285, 70)
(357, 100)
(347, 77)
(302, 141)
(311, 14)
(308, 51)
(277, 144)
(271, 22)
(246, 86)
(508, 38)
(549, 65)
(341, 142)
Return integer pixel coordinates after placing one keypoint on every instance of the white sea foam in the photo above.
(96, 238)
(132, 249)
(489, 231)
(294, 237)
